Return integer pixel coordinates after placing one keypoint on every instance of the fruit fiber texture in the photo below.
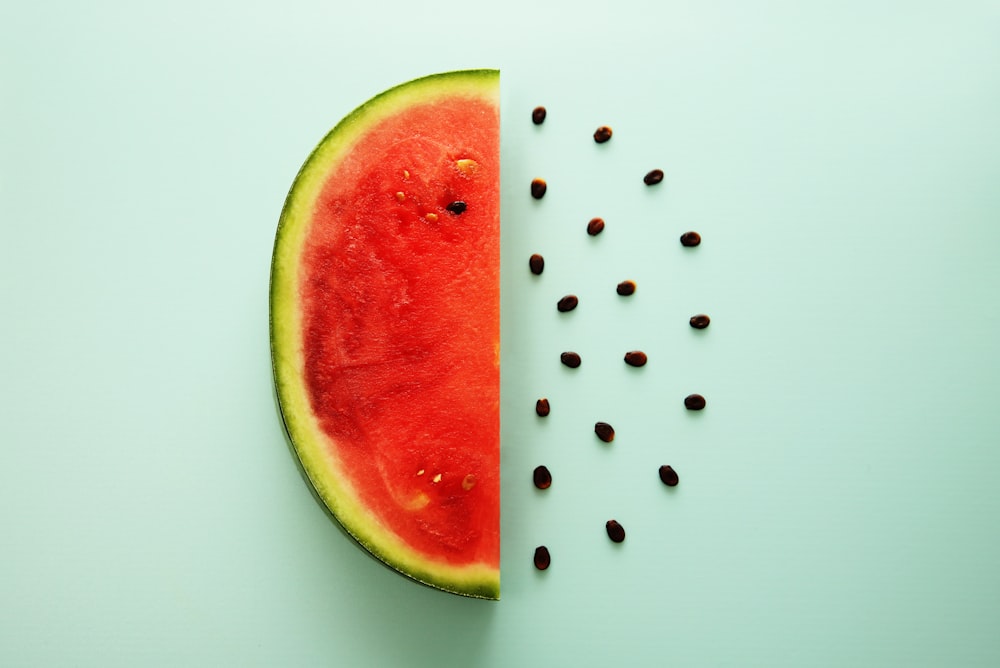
(385, 327)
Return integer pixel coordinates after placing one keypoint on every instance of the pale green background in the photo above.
(839, 496)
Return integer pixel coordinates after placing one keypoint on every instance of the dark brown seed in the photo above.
(572, 360)
(567, 303)
(604, 431)
(690, 239)
(635, 358)
(538, 188)
(700, 321)
(602, 134)
(626, 288)
(694, 402)
(653, 177)
(543, 479)
(542, 407)
(542, 557)
(457, 207)
(537, 264)
(538, 115)
(669, 476)
(616, 531)
(595, 226)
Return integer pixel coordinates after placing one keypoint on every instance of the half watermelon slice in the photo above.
(385, 327)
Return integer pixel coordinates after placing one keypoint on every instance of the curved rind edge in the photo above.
(308, 440)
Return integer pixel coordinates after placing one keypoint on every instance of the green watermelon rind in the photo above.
(308, 439)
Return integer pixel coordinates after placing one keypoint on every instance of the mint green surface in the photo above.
(838, 501)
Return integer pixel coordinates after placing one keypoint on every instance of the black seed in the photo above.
(602, 134)
(542, 477)
(635, 358)
(669, 476)
(604, 431)
(616, 531)
(457, 207)
(537, 263)
(595, 226)
(690, 239)
(653, 177)
(700, 321)
(572, 360)
(567, 303)
(542, 407)
(542, 557)
(538, 115)
(626, 288)
(694, 402)
(538, 188)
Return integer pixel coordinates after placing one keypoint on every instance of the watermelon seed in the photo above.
(400, 196)
(604, 431)
(420, 472)
(570, 359)
(595, 226)
(542, 407)
(567, 303)
(542, 477)
(436, 478)
(406, 173)
(653, 177)
(694, 402)
(542, 557)
(616, 531)
(538, 188)
(602, 134)
(468, 482)
(431, 217)
(626, 288)
(456, 207)
(690, 239)
(669, 476)
(635, 358)
(700, 321)
(538, 115)
(537, 264)
(467, 166)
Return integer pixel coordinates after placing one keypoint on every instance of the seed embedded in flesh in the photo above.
(538, 188)
(635, 358)
(542, 407)
(468, 482)
(653, 177)
(694, 402)
(616, 531)
(700, 321)
(690, 239)
(542, 557)
(602, 134)
(457, 207)
(604, 431)
(567, 303)
(542, 477)
(669, 476)
(537, 264)
(538, 115)
(626, 288)
(595, 226)
(431, 217)
(570, 359)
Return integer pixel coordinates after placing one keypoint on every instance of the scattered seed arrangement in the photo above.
(604, 432)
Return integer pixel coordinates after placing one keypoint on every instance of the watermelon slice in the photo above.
(385, 327)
